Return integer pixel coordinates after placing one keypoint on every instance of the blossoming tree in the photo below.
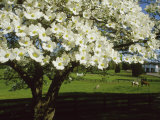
(153, 9)
(51, 37)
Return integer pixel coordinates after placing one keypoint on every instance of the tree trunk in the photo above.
(44, 107)
(44, 111)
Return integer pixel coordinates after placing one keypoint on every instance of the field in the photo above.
(115, 99)
(110, 83)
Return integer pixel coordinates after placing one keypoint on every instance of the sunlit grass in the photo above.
(108, 84)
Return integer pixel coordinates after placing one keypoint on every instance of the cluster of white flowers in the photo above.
(86, 30)
(153, 7)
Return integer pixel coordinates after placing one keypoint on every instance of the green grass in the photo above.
(121, 87)
(87, 84)
(110, 84)
(5, 92)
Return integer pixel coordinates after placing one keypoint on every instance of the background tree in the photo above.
(111, 65)
(126, 66)
(137, 69)
(118, 68)
(52, 37)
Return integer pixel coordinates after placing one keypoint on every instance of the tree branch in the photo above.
(20, 71)
(37, 81)
(127, 44)
(57, 81)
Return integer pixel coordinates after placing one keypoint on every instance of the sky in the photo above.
(143, 5)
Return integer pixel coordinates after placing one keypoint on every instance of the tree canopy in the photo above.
(57, 32)
(51, 37)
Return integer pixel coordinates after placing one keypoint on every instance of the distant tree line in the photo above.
(136, 68)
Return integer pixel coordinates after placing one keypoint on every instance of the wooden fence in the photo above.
(149, 80)
(90, 107)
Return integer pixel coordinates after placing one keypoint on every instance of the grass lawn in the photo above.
(87, 84)
(121, 87)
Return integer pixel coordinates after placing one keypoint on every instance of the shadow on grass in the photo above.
(93, 106)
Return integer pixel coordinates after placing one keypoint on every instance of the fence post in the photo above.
(128, 101)
(75, 107)
(104, 102)
(149, 100)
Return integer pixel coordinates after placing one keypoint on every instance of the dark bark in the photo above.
(44, 110)
(43, 107)
(126, 45)
(24, 75)
(117, 68)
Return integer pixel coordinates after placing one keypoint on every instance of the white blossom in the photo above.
(88, 32)
(35, 54)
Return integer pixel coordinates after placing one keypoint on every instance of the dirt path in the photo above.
(154, 74)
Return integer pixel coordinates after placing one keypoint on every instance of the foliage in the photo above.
(126, 66)
(137, 69)
(112, 65)
(11, 77)
(118, 68)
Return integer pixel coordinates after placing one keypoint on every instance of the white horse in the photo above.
(70, 79)
(135, 83)
(97, 86)
(80, 74)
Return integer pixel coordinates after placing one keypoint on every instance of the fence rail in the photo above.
(149, 80)
(86, 106)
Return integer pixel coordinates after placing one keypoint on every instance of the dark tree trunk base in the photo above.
(44, 111)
